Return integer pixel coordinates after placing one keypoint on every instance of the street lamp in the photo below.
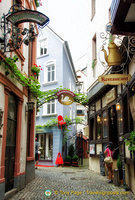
(79, 86)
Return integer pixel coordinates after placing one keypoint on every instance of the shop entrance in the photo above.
(46, 146)
(113, 131)
(10, 143)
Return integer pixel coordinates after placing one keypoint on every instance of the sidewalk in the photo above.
(68, 183)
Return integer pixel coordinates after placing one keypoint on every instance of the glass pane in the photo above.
(52, 76)
(41, 51)
(49, 78)
(48, 109)
(53, 108)
(45, 50)
(105, 124)
(52, 67)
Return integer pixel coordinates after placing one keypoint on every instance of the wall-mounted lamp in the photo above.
(30, 106)
(79, 86)
(93, 108)
(1, 116)
(118, 107)
(98, 118)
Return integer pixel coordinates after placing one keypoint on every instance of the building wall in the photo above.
(97, 26)
(9, 84)
(57, 52)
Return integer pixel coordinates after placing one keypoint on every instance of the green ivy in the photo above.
(54, 122)
(34, 85)
(130, 142)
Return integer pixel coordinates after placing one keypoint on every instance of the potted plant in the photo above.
(75, 161)
(67, 161)
(130, 142)
(119, 166)
(35, 69)
(71, 151)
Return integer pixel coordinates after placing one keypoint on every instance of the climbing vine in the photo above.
(54, 122)
(34, 86)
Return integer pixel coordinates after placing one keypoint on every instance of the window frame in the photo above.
(49, 64)
(45, 108)
(45, 46)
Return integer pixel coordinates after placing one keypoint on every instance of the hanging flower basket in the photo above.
(35, 69)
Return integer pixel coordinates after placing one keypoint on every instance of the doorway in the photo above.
(10, 143)
(46, 146)
(113, 129)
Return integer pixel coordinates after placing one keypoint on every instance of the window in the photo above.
(49, 107)
(43, 47)
(92, 129)
(49, 72)
(80, 112)
(99, 126)
(93, 8)
(105, 124)
(94, 48)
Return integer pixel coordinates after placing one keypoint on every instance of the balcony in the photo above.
(123, 17)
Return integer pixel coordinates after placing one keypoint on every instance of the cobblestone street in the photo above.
(71, 183)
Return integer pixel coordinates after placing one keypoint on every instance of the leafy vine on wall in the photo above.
(34, 86)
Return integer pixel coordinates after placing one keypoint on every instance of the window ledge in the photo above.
(43, 56)
(48, 115)
(50, 83)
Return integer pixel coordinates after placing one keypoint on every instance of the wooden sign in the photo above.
(111, 95)
(65, 97)
(114, 79)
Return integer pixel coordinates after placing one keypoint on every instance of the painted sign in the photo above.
(111, 95)
(28, 16)
(92, 148)
(114, 79)
(65, 97)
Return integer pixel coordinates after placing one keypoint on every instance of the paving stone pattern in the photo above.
(70, 183)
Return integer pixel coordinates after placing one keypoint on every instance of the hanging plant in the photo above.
(36, 70)
(130, 142)
(94, 63)
(38, 3)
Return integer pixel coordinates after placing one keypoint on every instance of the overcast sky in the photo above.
(70, 20)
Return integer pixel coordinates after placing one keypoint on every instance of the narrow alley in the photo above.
(71, 183)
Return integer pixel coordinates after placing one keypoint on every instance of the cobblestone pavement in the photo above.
(71, 183)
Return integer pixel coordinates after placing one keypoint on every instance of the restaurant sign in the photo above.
(114, 79)
(65, 97)
(28, 16)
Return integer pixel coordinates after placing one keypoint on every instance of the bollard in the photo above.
(116, 179)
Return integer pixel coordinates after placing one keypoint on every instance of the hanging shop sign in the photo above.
(114, 79)
(65, 97)
(28, 16)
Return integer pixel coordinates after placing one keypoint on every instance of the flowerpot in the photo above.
(66, 163)
(75, 164)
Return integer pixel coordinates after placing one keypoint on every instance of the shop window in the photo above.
(99, 126)
(105, 124)
(125, 114)
(92, 129)
(120, 120)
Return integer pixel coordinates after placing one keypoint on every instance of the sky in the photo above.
(70, 20)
